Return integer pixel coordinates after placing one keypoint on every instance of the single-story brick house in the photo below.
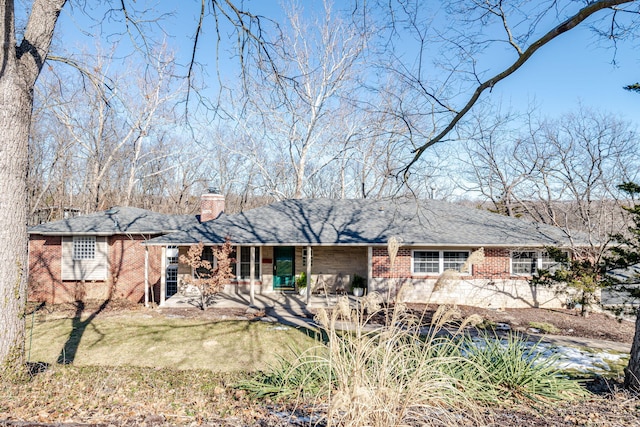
(491, 256)
(100, 255)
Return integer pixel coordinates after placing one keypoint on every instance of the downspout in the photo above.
(370, 269)
(252, 273)
(146, 276)
(309, 290)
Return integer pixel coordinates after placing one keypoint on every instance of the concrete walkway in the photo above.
(287, 308)
(292, 310)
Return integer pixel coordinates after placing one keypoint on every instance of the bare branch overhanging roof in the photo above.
(369, 222)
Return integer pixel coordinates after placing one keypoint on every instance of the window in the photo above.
(172, 255)
(527, 263)
(426, 262)
(548, 263)
(245, 263)
(84, 247)
(523, 263)
(454, 260)
(207, 255)
(84, 258)
(435, 262)
(172, 280)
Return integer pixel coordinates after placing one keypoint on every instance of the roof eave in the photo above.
(378, 244)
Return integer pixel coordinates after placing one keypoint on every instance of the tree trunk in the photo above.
(15, 117)
(632, 371)
(19, 69)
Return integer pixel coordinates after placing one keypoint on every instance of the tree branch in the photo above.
(565, 26)
(34, 47)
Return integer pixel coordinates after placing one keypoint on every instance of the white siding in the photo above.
(86, 269)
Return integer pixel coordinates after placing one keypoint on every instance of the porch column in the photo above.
(238, 256)
(369, 267)
(309, 258)
(146, 276)
(163, 275)
(252, 274)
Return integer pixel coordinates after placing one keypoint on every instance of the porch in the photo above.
(295, 302)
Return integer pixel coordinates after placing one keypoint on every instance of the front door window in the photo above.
(283, 268)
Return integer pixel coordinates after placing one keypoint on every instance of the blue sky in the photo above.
(574, 69)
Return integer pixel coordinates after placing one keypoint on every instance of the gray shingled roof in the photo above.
(368, 222)
(117, 220)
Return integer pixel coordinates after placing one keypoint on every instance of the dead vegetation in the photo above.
(67, 394)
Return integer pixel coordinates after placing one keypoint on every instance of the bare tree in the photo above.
(209, 275)
(302, 120)
(430, 108)
(440, 101)
(22, 57)
(561, 172)
(492, 167)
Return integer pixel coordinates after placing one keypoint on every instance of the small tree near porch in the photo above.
(206, 278)
(581, 277)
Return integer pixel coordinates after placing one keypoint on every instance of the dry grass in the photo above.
(383, 376)
(113, 395)
(377, 378)
(391, 374)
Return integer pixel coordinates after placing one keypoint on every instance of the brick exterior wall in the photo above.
(45, 262)
(125, 278)
(496, 264)
(490, 285)
(126, 262)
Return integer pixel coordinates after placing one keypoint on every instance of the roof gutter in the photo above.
(412, 244)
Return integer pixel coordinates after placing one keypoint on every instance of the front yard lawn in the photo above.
(137, 339)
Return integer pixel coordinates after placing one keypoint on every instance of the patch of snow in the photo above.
(581, 360)
(572, 358)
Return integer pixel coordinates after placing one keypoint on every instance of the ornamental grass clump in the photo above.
(382, 375)
(392, 374)
(403, 373)
(304, 375)
(520, 371)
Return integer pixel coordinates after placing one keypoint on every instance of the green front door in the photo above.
(283, 268)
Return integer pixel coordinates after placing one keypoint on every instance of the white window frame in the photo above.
(84, 248)
(542, 261)
(171, 277)
(247, 262)
(171, 259)
(440, 260)
(428, 262)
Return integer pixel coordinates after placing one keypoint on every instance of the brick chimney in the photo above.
(211, 205)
